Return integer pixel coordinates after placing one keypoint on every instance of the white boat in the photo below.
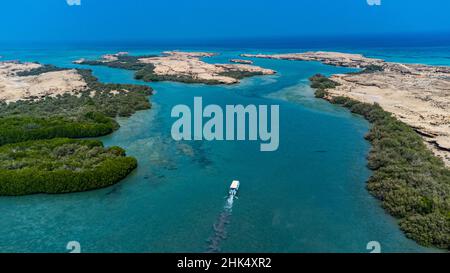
(234, 187)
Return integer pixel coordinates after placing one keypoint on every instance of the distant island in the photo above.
(241, 61)
(408, 106)
(42, 109)
(186, 67)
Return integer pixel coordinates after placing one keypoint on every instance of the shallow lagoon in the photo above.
(309, 196)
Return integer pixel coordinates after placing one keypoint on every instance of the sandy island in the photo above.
(240, 61)
(418, 95)
(14, 87)
(188, 67)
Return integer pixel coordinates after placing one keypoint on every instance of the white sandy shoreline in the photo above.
(416, 94)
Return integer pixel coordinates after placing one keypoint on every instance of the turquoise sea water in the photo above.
(309, 196)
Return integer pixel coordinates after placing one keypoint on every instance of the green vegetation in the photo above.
(115, 99)
(88, 114)
(123, 62)
(369, 69)
(22, 128)
(145, 72)
(40, 70)
(412, 183)
(60, 166)
(321, 84)
(36, 160)
(237, 74)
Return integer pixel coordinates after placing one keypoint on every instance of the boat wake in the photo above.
(229, 203)
(220, 226)
(220, 231)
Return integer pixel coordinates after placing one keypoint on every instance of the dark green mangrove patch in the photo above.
(238, 74)
(123, 62)
(24, 128)
(60, 166)
(369, 69)
(40, 70)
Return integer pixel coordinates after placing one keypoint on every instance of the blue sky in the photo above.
(93, 20)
